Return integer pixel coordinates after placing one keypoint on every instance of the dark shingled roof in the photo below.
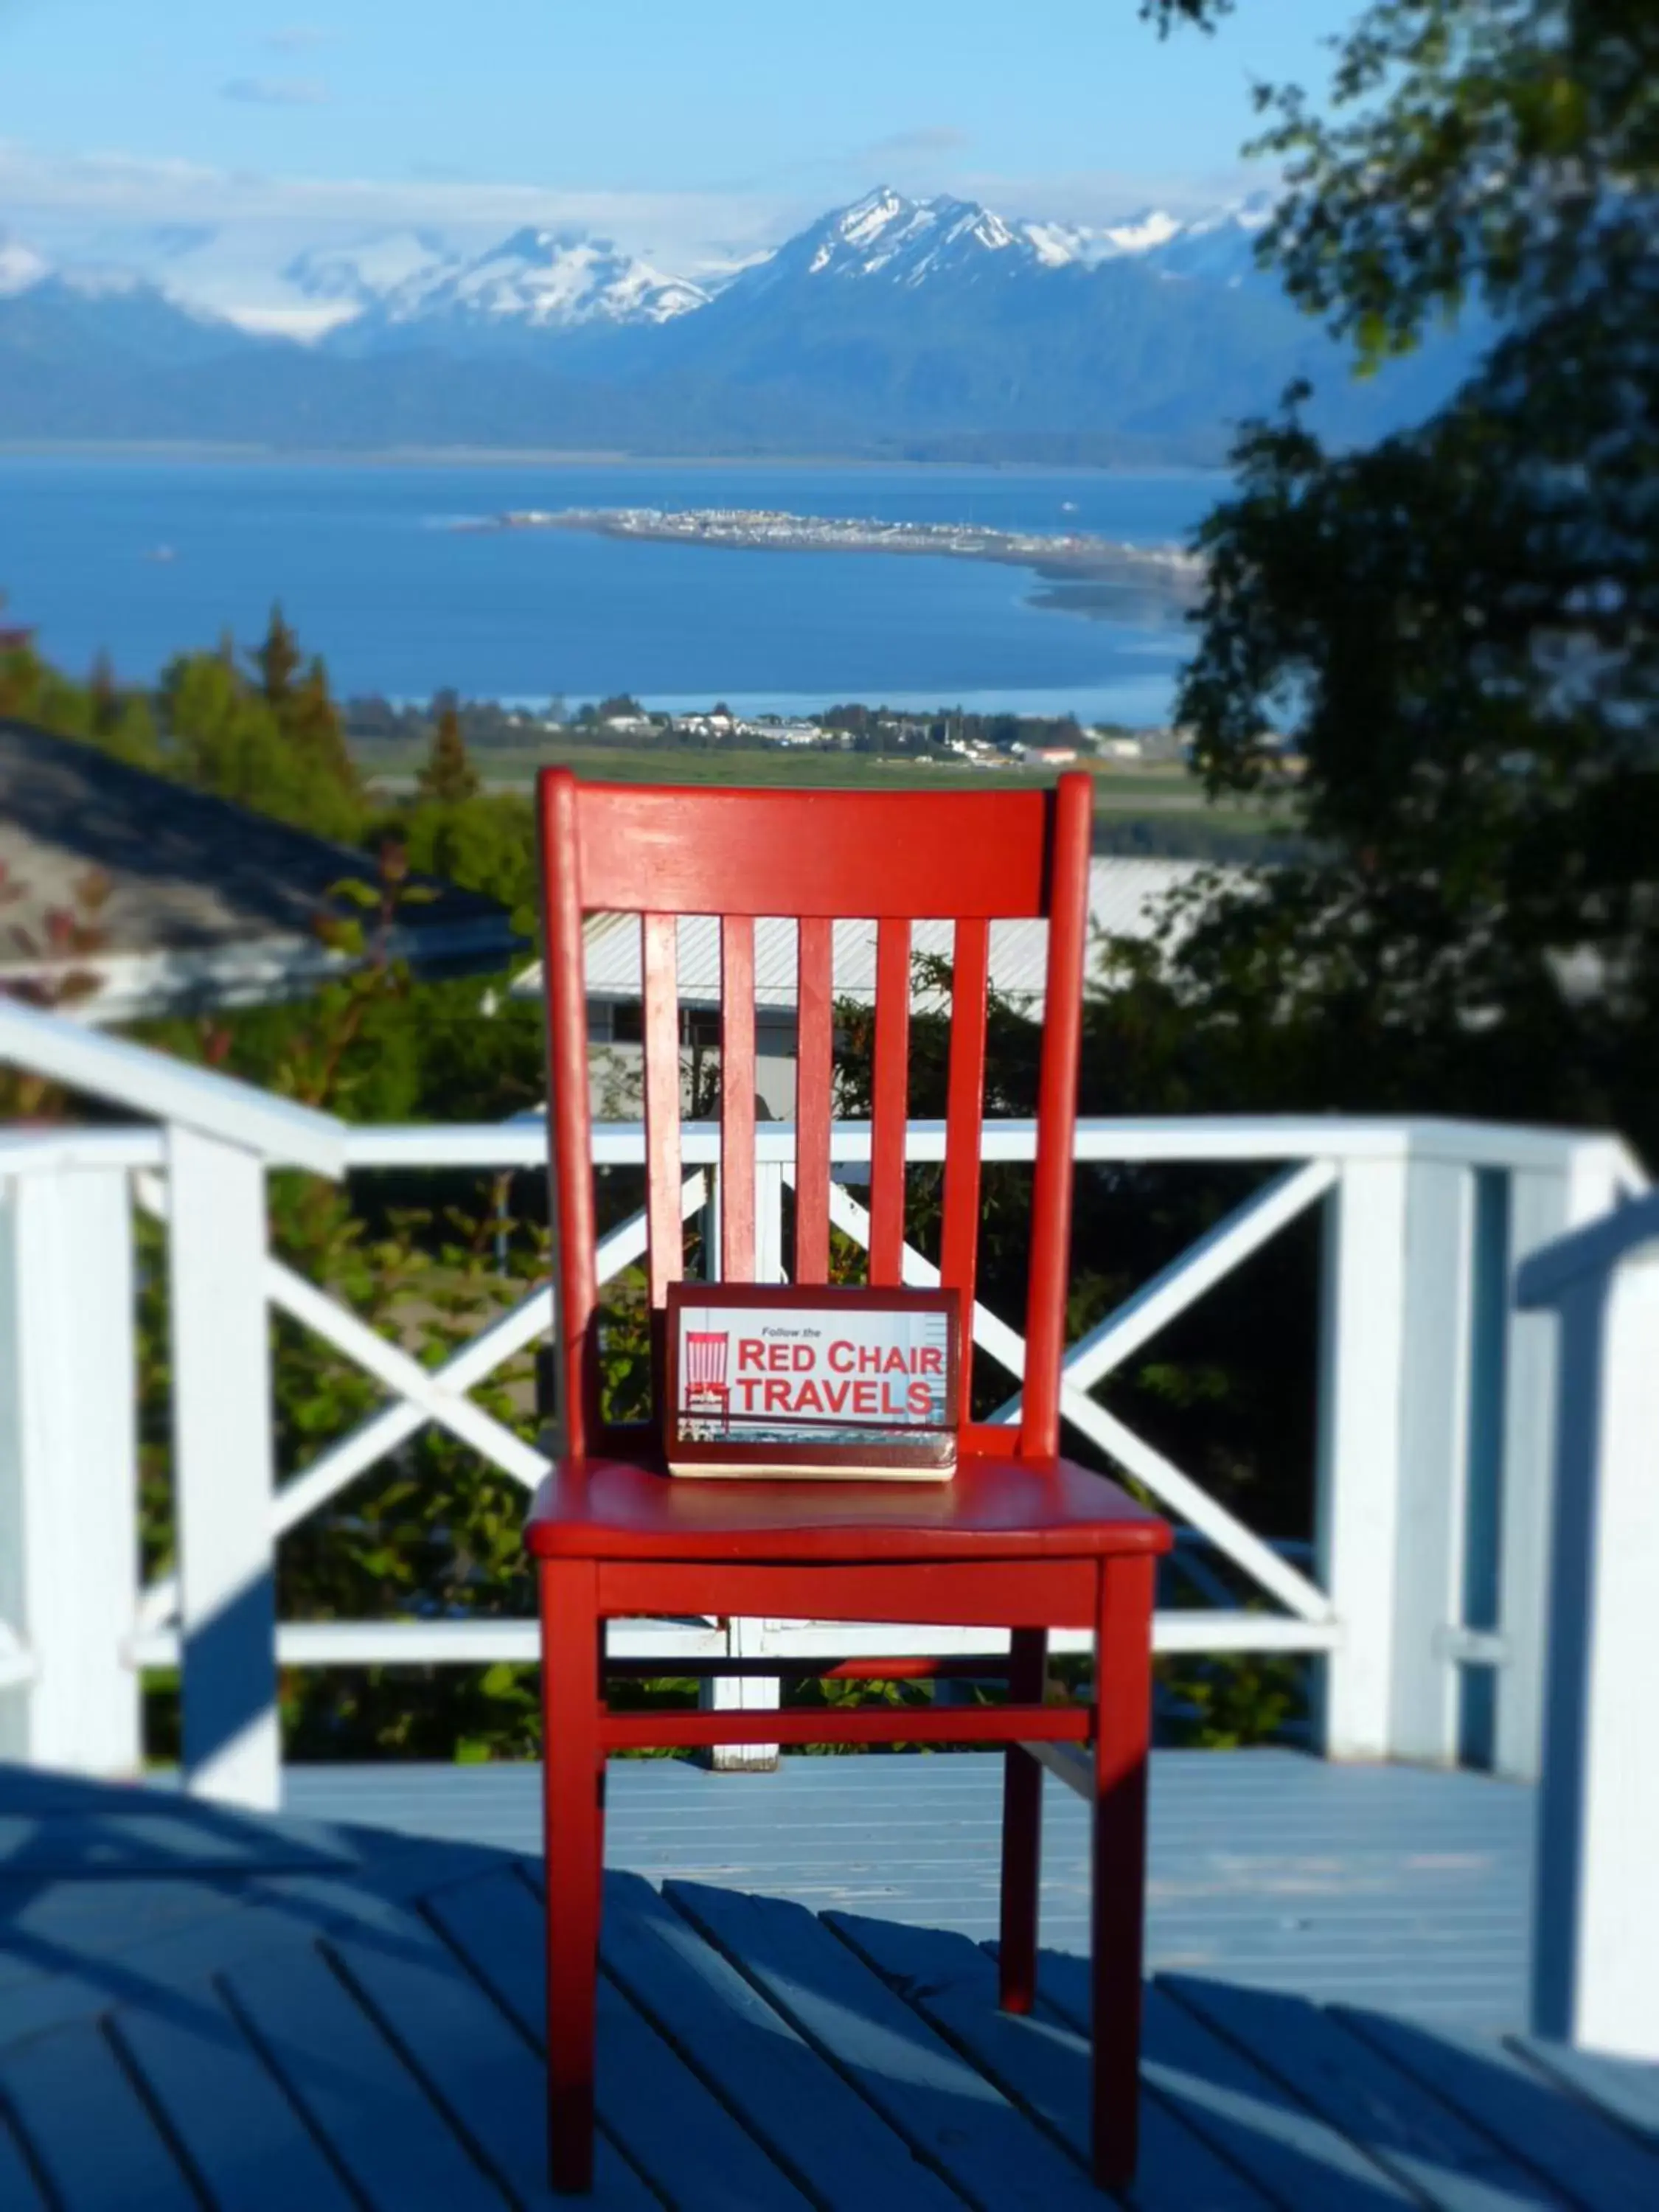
(207, 902)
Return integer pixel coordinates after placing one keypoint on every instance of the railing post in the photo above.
(1358, 1524)
(1435, 1349)
(1543, 1203)
(746, 1640)
(768, 1222)
(68, 1484)
(223, 1468)
(1595, 1929)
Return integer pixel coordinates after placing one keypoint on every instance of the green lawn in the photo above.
(1121, 793)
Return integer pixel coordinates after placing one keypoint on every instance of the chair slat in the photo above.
(1051, 1180)
(964, 1116)
(664, 1222)
(738, 1098)
(890, 1101)
(815, 996)
(576, 1411)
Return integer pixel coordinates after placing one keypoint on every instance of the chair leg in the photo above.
(1123, 1692)
(572, 1801)
(1022, 1832)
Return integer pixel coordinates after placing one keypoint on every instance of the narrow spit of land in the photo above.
(1073, 558)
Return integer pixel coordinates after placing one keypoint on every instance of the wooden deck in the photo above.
(342, 2009)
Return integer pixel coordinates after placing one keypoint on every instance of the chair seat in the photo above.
(994, 1508)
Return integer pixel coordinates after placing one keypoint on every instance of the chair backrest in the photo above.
(816, 857)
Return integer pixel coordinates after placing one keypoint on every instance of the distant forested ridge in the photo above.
(928, 330)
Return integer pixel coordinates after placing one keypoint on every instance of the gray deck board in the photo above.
(1626, 2090)
(353, 2088)
(827, 2137)
(472, 2063)
(1585, 2156)
(19, 2189)
(1222, 2094)
(1452, 2164)
(73, 1977)
(201, 2010)
(954, 2119)
(1393, 1886)
(677, 2130)
(51, 2087)
(226, 2112)
(1042, 2065)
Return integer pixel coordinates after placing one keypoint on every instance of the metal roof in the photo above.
(199, 901)
(1125, 899)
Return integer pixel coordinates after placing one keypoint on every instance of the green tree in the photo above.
(313, 725)
(225, 737)
(277, 657)
(1458, 626)
(449, 775)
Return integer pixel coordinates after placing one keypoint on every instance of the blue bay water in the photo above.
(364, 564)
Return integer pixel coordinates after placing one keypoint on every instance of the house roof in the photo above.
(1124, 898)
(204, 903)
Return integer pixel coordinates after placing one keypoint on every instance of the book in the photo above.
(822, 1384)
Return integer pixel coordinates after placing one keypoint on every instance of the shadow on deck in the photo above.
(199, 2008)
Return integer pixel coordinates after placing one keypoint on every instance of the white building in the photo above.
(1126, 897)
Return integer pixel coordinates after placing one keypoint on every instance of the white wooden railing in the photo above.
(1436, 1402)
(1596, 1920)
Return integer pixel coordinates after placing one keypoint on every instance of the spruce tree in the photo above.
(449, 775)
(316, 728)
(277, 659)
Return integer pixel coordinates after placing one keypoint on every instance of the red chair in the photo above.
(1020, 1538)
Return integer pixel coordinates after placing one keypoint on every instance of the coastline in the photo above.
(212, 454)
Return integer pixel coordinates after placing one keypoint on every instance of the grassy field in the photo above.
(1163, 798)
(1118, 788)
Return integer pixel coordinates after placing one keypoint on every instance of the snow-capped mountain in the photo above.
(925, 327)
(369, 271)
(1219, 244)
(398, 286)
(533, 283)
(902, 243)
(906, 244)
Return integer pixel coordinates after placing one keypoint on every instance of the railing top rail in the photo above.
(282, 1133)
(153, 1083)
(1586, 1254)
(56, 1151)
(1265, 1139)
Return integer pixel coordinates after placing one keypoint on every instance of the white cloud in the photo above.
(118, 188)
(223, 237)
(276, 91)
(929, 138)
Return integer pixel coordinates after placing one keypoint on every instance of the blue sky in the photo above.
(682, 126)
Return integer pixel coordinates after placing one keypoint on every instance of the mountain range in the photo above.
(927, 328)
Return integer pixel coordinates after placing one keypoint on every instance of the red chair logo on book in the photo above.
(706, 1354)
